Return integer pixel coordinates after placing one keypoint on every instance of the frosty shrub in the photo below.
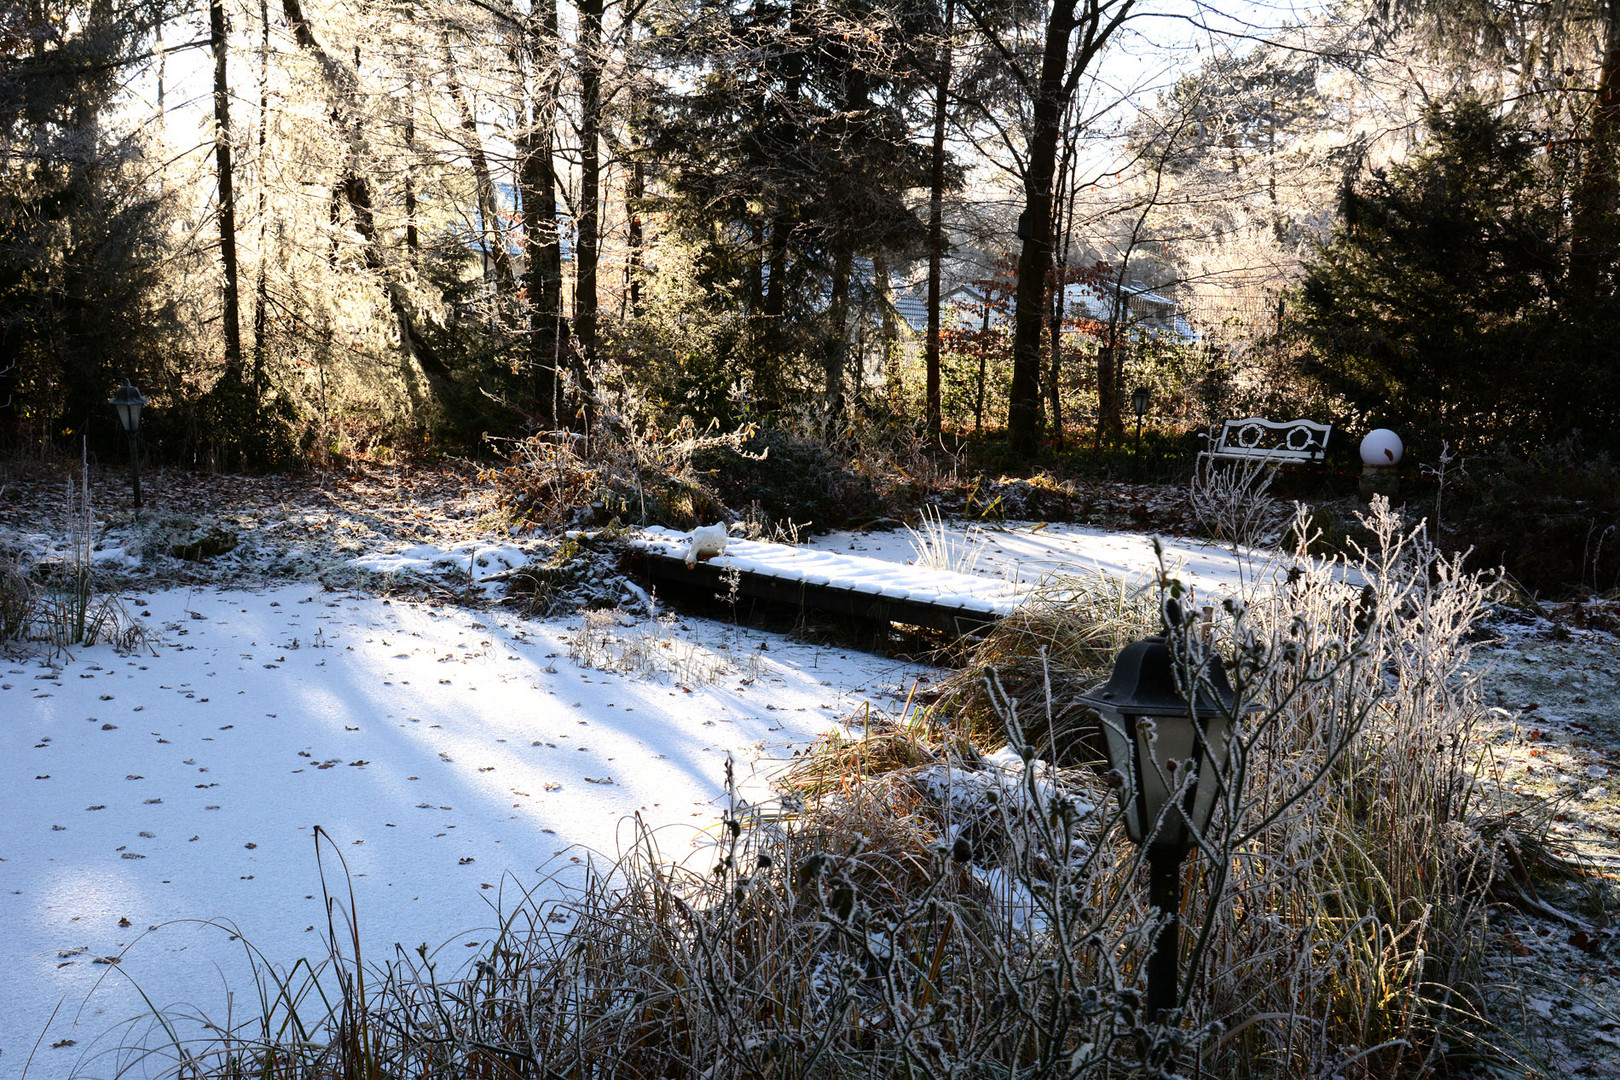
(1233, 503)
(1346, 873)
(59, 602)
(19, 597)
(649, 648)
(925, 904)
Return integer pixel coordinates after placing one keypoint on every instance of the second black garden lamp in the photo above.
(127, 403)
(1141, 399)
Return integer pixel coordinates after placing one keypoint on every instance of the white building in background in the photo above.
(1145, 312)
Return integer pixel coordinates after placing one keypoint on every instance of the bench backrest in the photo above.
(1292, 440)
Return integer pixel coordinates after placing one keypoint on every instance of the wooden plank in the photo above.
(960, 620)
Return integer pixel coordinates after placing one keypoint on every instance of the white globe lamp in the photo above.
(1381, 447)
(1380, 455)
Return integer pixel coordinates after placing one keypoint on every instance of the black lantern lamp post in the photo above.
(1155, 739)
(1141, 398)
(127, 403)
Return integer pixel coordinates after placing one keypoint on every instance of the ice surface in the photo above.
(454, 757)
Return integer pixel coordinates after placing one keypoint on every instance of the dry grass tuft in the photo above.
(1061, 642)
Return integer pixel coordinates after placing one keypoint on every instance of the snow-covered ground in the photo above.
(163, 805)
(453, 756)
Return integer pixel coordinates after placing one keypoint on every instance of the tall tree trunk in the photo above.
(784, 219)
(587, 254)
(936, 227)
(756, 275)
(1054, 383)
(836, 357)
(537, 189)
(1060, 280)
(1108, 412)
(767, 384)
(413, 242)
(984, 363)
(1035, 229)
(1059, 75)
(227, 196)
(493, 236)
(1593, 229)
(260, 285)
(857, 99)
(334, 219)
(162, 75)
(888, 326)
(1110, 368)
(634, 235)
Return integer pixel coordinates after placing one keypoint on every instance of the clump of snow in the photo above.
(706, 542)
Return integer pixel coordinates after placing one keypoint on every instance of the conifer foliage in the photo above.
(1443, 304)
(80, 227)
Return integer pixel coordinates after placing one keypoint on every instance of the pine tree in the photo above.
(1442, 304)
(81, 218)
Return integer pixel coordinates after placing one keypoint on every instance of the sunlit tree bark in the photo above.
(227, 190)
(1074, 34)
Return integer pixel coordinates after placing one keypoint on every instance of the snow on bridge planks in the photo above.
(849, 585)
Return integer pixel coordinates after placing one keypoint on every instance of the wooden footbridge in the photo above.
(845, 585)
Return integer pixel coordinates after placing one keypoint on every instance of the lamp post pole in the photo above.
(1164, 893)
(135, 468)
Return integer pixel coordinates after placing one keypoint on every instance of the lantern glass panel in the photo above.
(1150, 779)
(1212, 771)
(1121, 760)
(1165, 744)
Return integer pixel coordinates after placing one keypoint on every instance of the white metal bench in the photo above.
(1292, 442)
